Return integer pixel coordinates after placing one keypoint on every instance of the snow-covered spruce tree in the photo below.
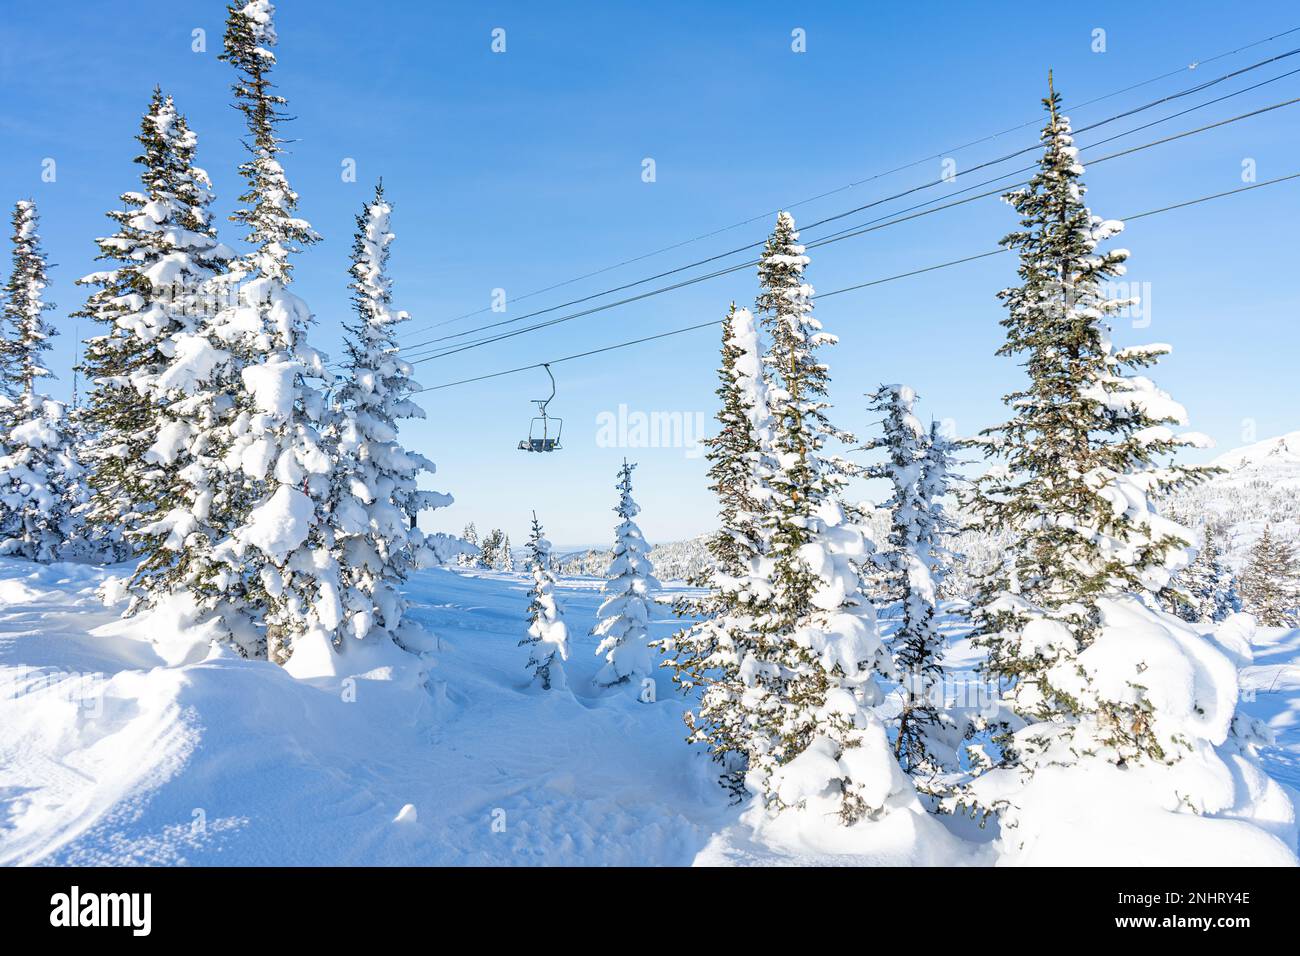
(40, 476)
(375, 500)
(88, 543)
(491, 553)
(811, 679)
(623, 618)
(1108, 703)
(1270, 585)
(1206, 590)
(939, 480)
(470, 559)
(26, 333)
(204, 493)
(709, 652)
(548, 635)
(911, 572)
(282, 553)
(738, 445)
(1118, 739)
(164, 251)
(507, 554)
(1080, 463)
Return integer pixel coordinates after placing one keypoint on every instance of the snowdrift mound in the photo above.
(1207, 803)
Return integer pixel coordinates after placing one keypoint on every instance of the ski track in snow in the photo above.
(1273, 680)
(107, 756)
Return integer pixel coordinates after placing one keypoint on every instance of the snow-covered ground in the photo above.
(128, 743)
(1271, 692)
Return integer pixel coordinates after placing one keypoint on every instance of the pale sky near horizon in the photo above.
(524, 169)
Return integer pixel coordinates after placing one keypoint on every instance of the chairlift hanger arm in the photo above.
(543, 402)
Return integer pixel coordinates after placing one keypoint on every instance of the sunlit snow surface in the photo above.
(115, 749)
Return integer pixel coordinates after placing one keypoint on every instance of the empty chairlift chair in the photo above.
(544, 431)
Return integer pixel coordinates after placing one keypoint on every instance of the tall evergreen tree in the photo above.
(1270, 586)
(27, 334)
(375, 499)
(40, 476)
(912, 572)
(709, 652)
(165, 252)
(821, 651)
(548, 635)
(623, 618)
(1079, 459)
(807, 655)
(281, 554)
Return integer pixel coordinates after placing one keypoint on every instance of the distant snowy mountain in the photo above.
(1260, 485)
(1275, 457)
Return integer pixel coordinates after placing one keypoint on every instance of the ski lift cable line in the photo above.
(1084, 129)
(826, 295)
(849, 212)
(1072, 107)
(856, 231)
(1111, 139)
(814, 225)
(852, 232)
(914, 163)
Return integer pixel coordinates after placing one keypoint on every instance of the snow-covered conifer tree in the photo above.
(1270, 585)
(1107, 702)
(376, 498)
(472, 558)
(1206, 590)
(507, 554)
(27, 333)
(809, 678)
(40, 476)
(912, 572)
(622, 621)
(141, 438)
(938, 479)
(548, 635)
(282, 553)
(709, 652)
(739, 447)
(491, 553)
(1081, 453)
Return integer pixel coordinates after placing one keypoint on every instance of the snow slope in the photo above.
(227, 760)
(1260, 485)
(117, 750)
(1271, 693)
(1278, 455)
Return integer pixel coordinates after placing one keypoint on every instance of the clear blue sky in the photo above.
(522, 169)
